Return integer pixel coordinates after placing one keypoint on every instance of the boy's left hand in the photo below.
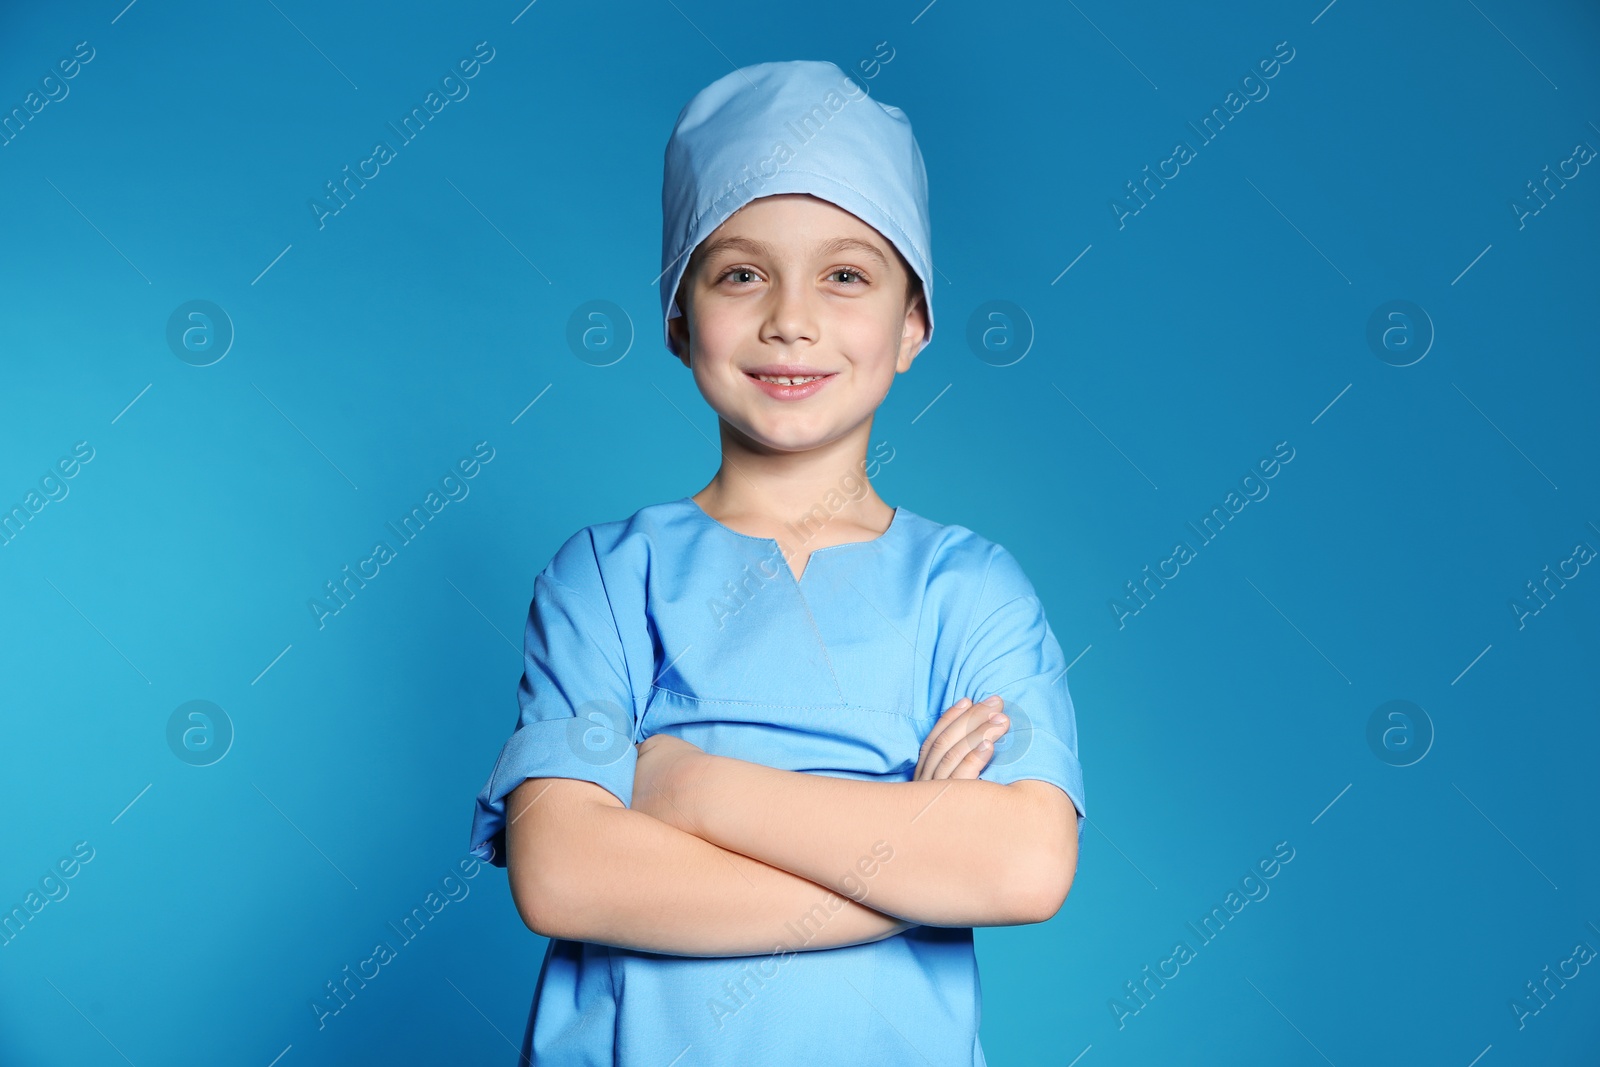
(951, 749)
(663, 762)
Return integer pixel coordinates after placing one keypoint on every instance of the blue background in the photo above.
(1229, 314)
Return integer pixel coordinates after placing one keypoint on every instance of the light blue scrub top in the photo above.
(669, 621)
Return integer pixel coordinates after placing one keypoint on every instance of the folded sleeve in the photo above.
(576, 716)
(1011, 651)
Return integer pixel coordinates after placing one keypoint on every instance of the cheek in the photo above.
(713, 351)
(716, 337)
(872, 342)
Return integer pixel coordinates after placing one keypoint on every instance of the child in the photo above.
(748, 798)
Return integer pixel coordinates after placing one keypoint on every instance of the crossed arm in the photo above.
(719, 856)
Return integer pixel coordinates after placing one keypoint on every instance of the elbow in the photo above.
(535, 901)
(1042, 871)
(541, 893)
(1039, 899)
(544, 856)
(1041, 885)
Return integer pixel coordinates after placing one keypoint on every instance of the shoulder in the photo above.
(614, 548)
(984, 571)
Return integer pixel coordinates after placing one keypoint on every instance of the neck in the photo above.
(801, 494)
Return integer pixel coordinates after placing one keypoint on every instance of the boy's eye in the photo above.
(848, 276)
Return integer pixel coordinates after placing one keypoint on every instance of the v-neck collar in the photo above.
(895, 520)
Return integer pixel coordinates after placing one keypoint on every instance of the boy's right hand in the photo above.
(962, 741)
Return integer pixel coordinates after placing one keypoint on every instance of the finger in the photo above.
(938, 739)
(942, 746)
(978, 714)
(968, 759)
(976, 719)
(976, 760)
(946, 732)
(954, 763)
(944, 720)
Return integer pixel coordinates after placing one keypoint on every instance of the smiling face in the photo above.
(795, 285)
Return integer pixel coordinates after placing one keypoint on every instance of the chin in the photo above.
(788, 438)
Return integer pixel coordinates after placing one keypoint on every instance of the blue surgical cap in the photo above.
(800, 126)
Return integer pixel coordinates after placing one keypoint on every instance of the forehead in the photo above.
(795, 224)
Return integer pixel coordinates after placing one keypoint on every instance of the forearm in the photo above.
(620, 877)
(960, 846)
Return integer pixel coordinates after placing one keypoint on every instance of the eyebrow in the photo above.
(762, 248)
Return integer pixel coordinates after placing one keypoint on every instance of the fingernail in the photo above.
(995, 700)
(985, 744)
(996, 716)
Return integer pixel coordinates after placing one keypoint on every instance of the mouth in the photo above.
(789, 386)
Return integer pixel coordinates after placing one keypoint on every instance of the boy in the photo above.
(731, 738)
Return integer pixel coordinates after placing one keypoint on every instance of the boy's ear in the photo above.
(914, 330)
(678, 330)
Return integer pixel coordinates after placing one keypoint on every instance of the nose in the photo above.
(791, 312)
